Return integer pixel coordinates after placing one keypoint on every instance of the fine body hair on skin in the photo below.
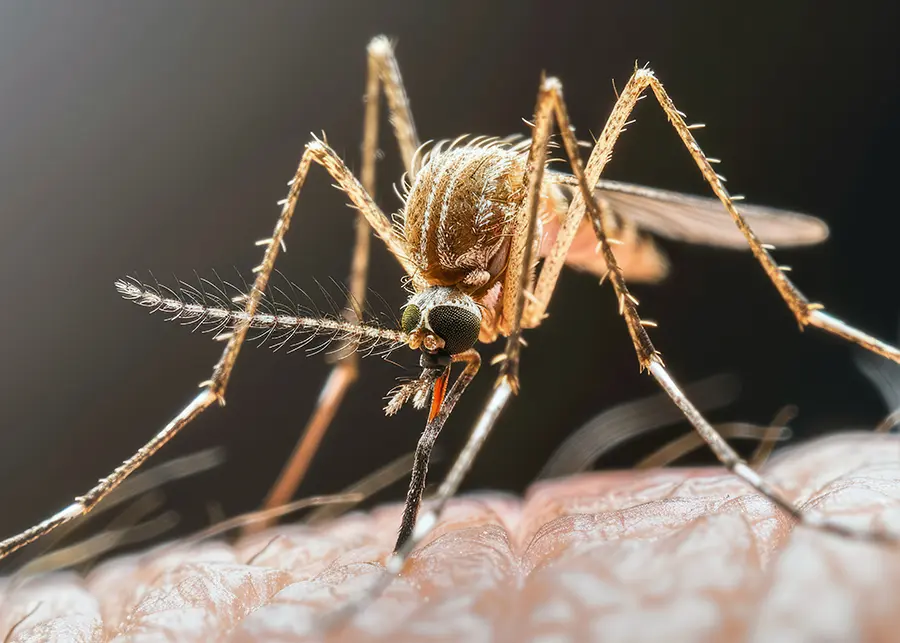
(665, 554)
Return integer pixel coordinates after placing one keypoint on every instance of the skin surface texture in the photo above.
(673, 554)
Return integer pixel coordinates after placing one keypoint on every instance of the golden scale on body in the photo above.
(479, 216)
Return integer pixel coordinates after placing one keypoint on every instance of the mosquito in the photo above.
(483, 234)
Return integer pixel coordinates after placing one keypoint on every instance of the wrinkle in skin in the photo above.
(674, 554)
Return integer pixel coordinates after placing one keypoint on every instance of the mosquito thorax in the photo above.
(441, 321)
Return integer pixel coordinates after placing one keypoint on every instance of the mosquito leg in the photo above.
(332, 394)
(415, 530)
(600, 155)
(426, 444)
(522, 252)
(627, 421)
(424, 524)
(736, 465)
(806, 313)
(214, 388)
(383, 73)
(647, 355)
(889, 422)
(409, 539)
(85, 503)
(772, 434)
(685, 444)
(546, 283)
(411, 529)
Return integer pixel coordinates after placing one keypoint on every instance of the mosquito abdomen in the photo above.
(460, 213)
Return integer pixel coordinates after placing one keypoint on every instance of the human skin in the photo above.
(671, 554)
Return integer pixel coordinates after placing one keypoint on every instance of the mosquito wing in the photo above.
(702, 220)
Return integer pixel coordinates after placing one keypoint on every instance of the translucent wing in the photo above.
(703, 220)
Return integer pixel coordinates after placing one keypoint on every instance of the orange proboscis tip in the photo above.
(437, 397)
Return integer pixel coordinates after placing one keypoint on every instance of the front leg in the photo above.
(383, 74)
(214, 388)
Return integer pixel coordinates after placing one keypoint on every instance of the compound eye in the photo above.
(456, 325)
(411, 318)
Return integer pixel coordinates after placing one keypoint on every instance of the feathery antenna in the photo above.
(207, 307)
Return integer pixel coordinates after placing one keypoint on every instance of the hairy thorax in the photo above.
(460, 214)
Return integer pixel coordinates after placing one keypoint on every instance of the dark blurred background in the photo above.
(160, 137)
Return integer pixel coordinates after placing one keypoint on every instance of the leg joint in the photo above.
(644, 73)
(317, 148)
(380, 47)
(551, 85)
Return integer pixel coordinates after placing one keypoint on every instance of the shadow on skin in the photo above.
(674, 555)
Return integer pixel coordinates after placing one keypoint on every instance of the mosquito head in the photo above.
(442, 321)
